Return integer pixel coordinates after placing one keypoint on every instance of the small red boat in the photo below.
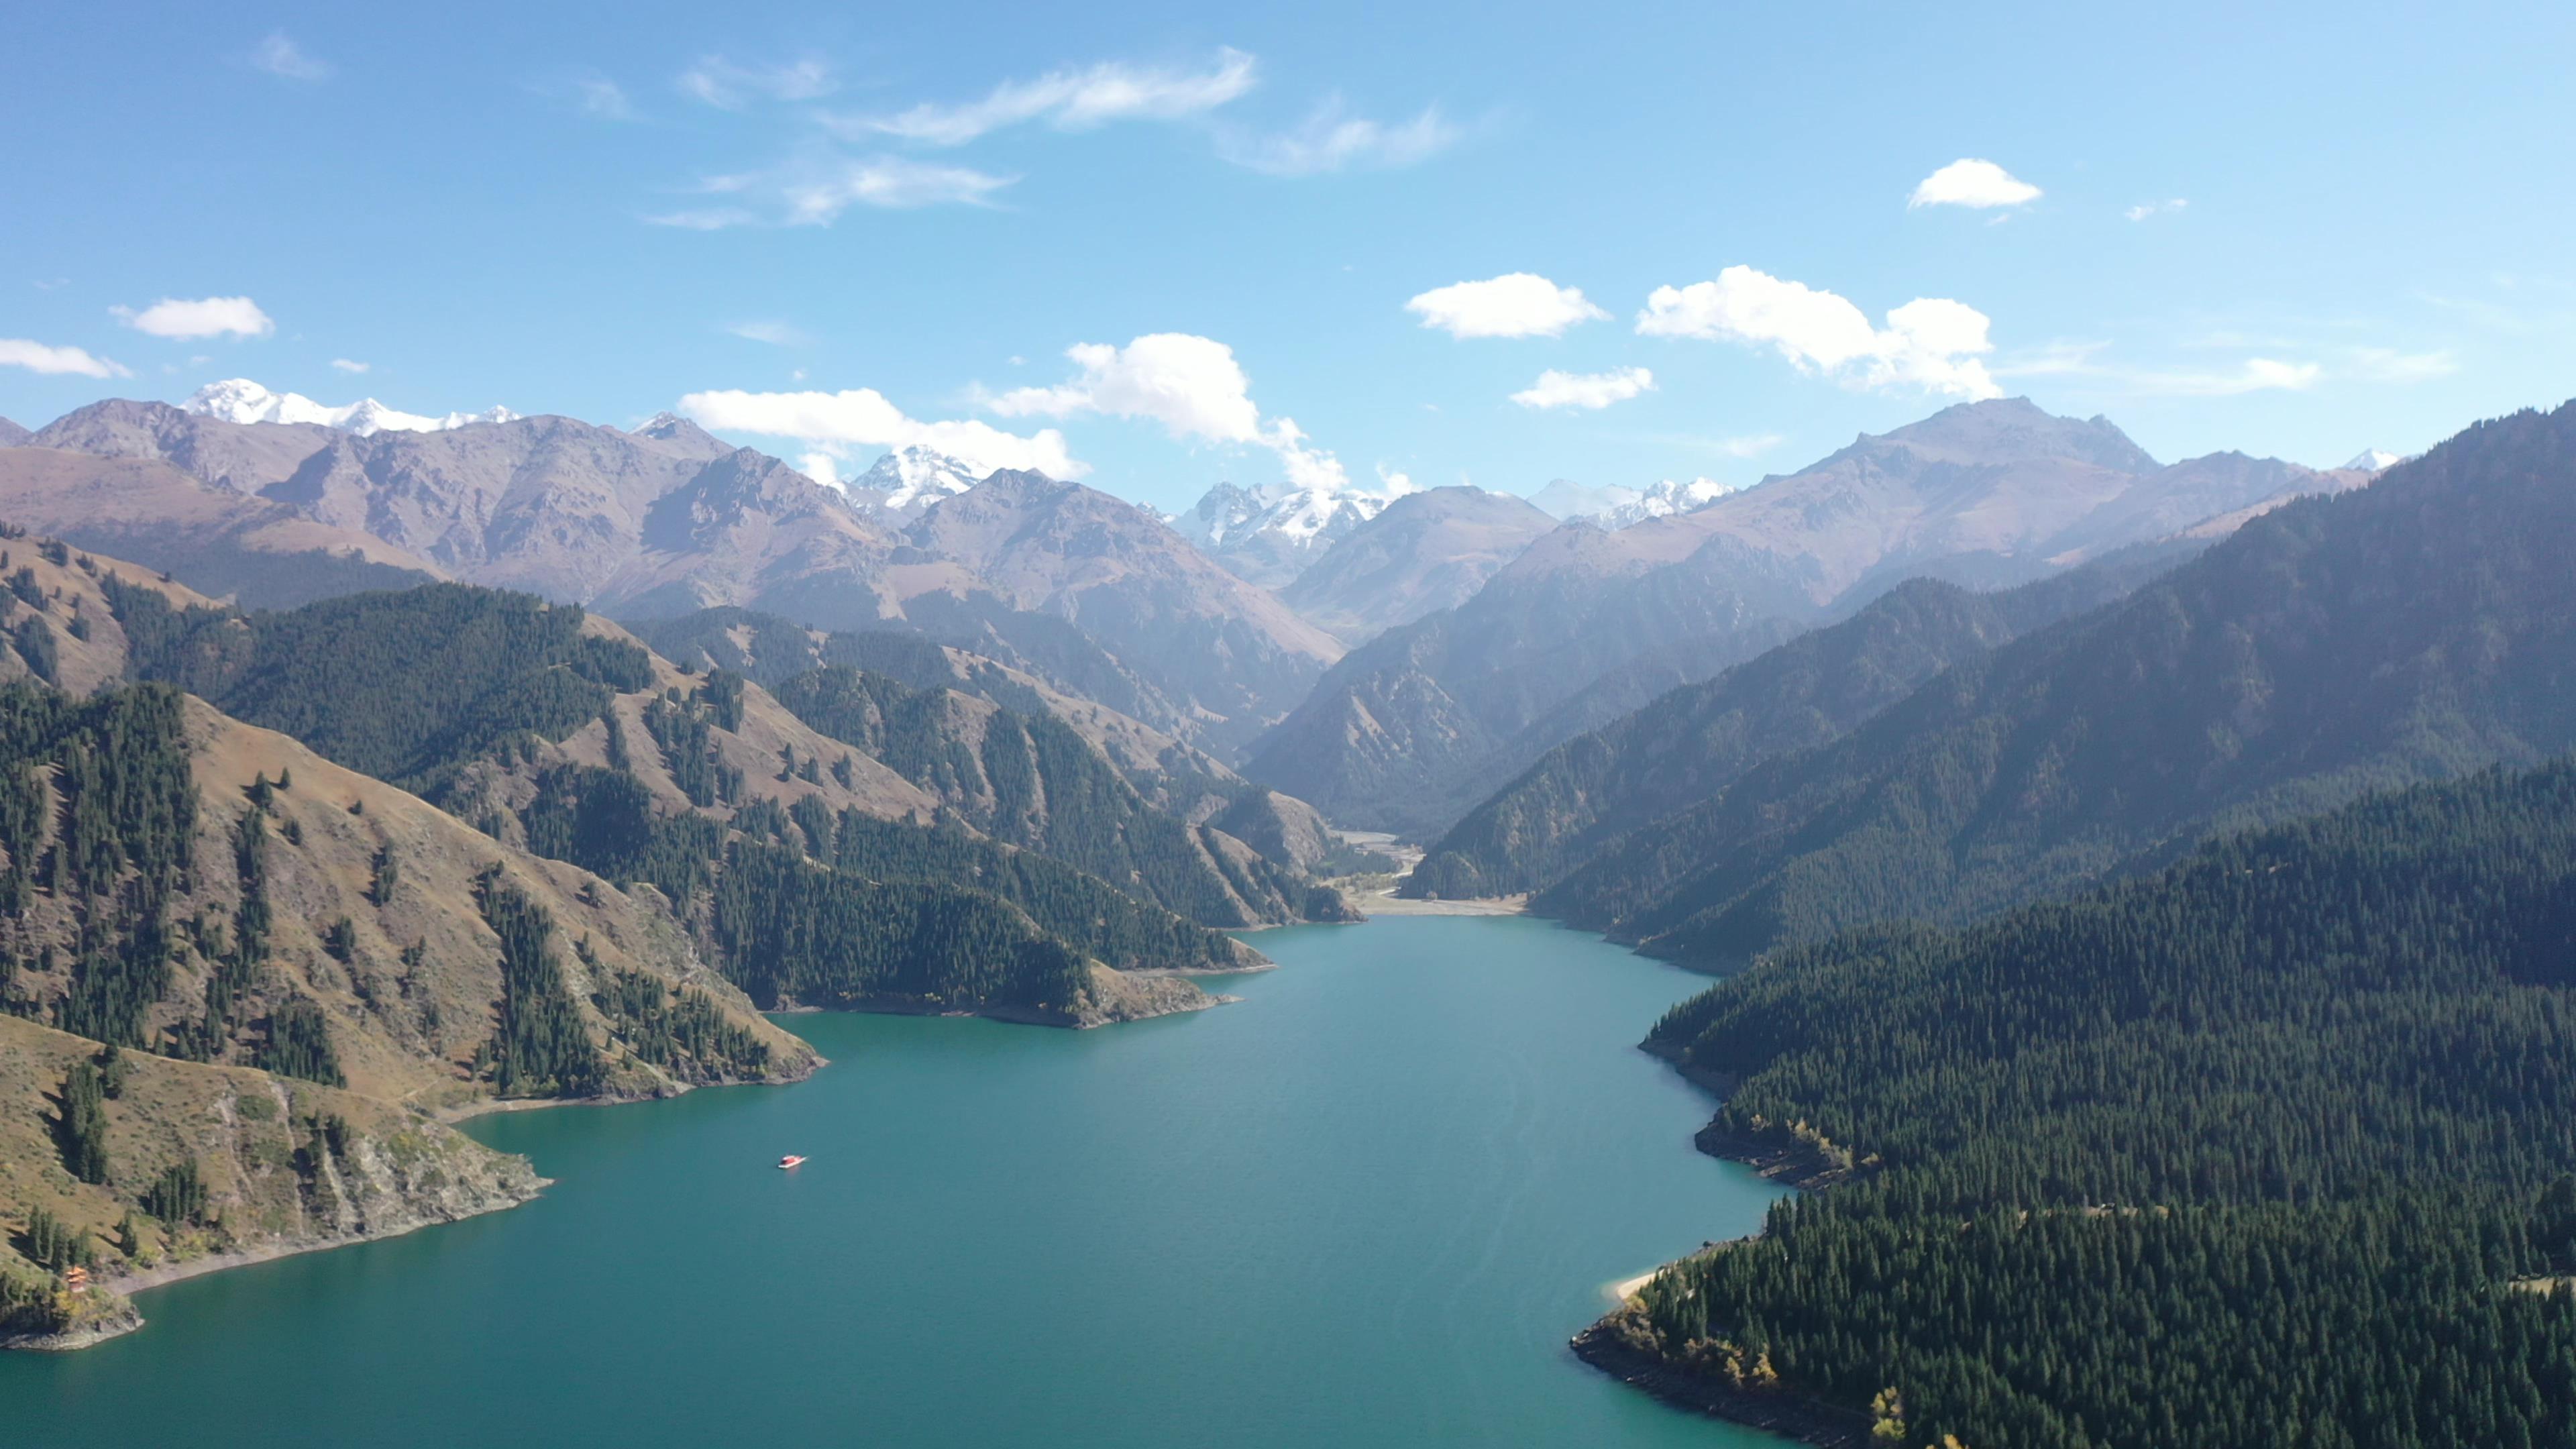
(791, 1161)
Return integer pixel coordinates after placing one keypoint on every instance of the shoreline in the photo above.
(1797, 1419)
(163, 1275)
(1388, 903)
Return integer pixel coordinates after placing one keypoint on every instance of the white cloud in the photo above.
(1556, 389)
(815, 189)
(721, 83)
(776, 334)
(1931, 343)
(37, 357)
(1330, 139)
(1070, 100)
(2077, 359)
(2385, 364)
(886, 181)
(603, 99)
(1516, 304)
(205, 317)
(1191, 385)
(1750, 445)
(2147, 209)
(1970, 182)
(833, 424)
(345, 365)
(713, 218)
(280, 56)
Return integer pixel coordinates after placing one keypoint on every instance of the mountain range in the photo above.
(1411, 729)
(1268, 535)
(240, 400)
(2415, 629)
(1067, 582)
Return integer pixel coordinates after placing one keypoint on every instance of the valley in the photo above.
(366, 777)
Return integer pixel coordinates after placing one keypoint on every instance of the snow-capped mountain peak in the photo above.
(240, 400)
(1664, 499)
(914, 477)
(1267, 534)
(1614, 506)
(2374, 460)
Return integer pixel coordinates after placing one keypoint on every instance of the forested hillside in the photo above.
(532, 723)
(769, 650)
(2412, 630)
(1032, 781)
(1700, 738)
(2272, 1147)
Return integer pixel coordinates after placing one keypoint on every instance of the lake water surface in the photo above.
(1365, 1206)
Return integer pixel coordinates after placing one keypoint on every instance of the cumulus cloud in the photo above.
(722, 83)
(1595, 390)
(832, 425)
(2145, 209)
(281, 56)
(1070, 100)
(1191, 385)
(346, 365)
(204, 317)
(1332, 139)
(1931, 343)
(73, 361)
(1516, 304)
(1970, 182)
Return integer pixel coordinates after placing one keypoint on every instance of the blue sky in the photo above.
(2351, 224)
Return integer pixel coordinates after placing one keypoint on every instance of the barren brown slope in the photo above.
(149, 512)
(1232, 651)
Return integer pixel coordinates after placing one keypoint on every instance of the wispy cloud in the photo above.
(279, 55)
(347, 365)
(2145, 209)
(722, 83)
(1069, 100)
(707, 218)
(603, 99)
(1332, 139)
(2387, 364)
(2083, 360)
(57, 361)
(776, 334)
(816, 188)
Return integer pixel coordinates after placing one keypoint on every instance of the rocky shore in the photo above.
(1801, 1420)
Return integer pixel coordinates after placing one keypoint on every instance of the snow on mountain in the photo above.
(1662, 501)
(914, 477)
(2374, 460)
(1268, 534)
(1614, 507)
(1563, 498)
(240, 400)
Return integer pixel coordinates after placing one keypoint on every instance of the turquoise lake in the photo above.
(1364, 1206)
